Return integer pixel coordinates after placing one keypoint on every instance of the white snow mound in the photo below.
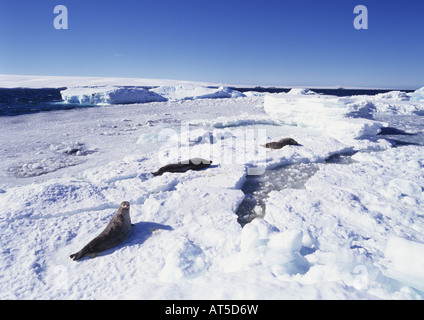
(192, 92)
(301, 91)
(109, 95)
(126, 95)
(406, 261)
(337, 117)
(418, 95)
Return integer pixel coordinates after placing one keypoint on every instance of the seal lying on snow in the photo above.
(118, 229)
(183, 166)
(281, 143)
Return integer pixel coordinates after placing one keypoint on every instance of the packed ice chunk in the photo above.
(352, 128)
(191, 92)
(125, 95)
(418, 95)
(264, 244)
(406, 261)
(109, 95)
(393, 95)
(301, 91)
(255, 94)
(330, 115)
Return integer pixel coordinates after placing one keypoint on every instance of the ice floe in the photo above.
(327, 230)
(109, 95)
(127, 95)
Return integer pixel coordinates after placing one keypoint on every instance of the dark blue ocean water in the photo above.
(18, 101)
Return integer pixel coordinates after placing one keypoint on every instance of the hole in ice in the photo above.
(403, 130)
(292, 176)
(341, 158)
(257, 188)
(394, 131)
(43, 166)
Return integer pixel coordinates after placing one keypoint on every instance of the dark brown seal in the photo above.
(281, 143)
(183, 166)
(118, 229)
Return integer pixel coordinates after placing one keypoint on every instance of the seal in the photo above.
(183, 166)
(281, 143)
(117, 230)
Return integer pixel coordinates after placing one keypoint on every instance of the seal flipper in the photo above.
(80, 254)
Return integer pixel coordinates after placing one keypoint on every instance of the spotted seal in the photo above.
(183, 166)
(281, 143)
(118, 229)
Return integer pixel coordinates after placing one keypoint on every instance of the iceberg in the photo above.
(393, 96)
(126, 95)
(109, 95)
(344, 118)
(191, 92)
(418, 95)
(301, 91)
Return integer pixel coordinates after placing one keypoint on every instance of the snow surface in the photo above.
(352, 231)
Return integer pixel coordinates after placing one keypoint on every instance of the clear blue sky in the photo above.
(264, 42)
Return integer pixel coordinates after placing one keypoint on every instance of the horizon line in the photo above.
(32, 79)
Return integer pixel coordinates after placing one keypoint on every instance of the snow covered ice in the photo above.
(109, 95)
(347, 118)
(127, 95)
(352, 230)
(418, 95)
